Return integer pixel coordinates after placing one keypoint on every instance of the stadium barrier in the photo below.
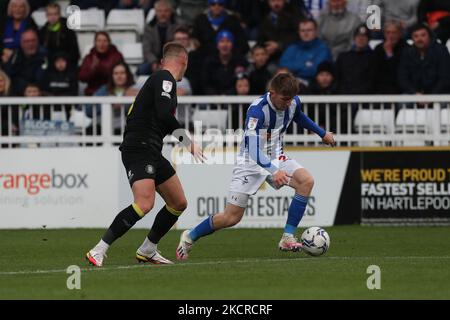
(407, 120)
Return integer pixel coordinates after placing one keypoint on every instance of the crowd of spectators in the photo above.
(235, 47)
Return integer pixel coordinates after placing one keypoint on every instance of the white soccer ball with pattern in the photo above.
(315, 240)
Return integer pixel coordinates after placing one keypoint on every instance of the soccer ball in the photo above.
(316, 241)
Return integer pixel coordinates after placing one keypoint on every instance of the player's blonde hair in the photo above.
(173, 50)
(284, 84)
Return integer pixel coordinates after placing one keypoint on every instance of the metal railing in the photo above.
(399, 120)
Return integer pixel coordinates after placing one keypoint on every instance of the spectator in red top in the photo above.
(98, 64)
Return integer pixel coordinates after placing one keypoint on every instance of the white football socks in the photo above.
(147, 247)
(101, 247)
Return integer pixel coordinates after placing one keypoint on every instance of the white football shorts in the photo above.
(246, 181)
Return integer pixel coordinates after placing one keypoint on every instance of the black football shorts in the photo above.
(146, 164)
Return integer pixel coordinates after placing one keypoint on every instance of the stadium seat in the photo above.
(448, 45)
(132, 53)
(86, 50)
(63, 4)
(445, 120)
(410, 120)
(151, 14)
(118, 38)
(374, 43)
(85, 42)
(376, 121)
(58, 116)
(140, 81)
(126, 19)
(92, 19)
(40, 17)
(211, 118)
(419, 121)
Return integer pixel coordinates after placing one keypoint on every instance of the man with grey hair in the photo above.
(157, 33)
(336, 26)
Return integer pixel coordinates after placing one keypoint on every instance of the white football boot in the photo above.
(289, 243)
(96, 258)
(153, 258)
(185, 246)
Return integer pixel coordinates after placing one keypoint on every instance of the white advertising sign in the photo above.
(58, 188)
(206, 188)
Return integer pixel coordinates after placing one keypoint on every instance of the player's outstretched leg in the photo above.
(302, 182)
(172, 193)
(125, 220)
(230, 217)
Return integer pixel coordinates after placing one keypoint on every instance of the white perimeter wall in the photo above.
(96, 188)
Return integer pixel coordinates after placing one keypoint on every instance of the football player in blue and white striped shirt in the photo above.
(261, 159)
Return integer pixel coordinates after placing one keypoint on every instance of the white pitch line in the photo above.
(141, 266)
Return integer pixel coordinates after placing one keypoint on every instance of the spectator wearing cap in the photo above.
(387, 59)
(355, 68)
(424, 66)
(220, 69)
(16, 23)
(28, 64)
(56, 37)
(336, 25)
(98, 64)
(216, 19)
(278, 29)
(303, 56)
(437, 14)
(157, 33)
(260, 71)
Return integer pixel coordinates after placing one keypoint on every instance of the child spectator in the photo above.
(61, 78)
(56, 37)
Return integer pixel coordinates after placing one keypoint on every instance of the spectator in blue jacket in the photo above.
(17, 22)
(303, 57)
(425, 66)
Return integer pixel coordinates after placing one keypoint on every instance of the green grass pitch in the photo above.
(231, 264)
